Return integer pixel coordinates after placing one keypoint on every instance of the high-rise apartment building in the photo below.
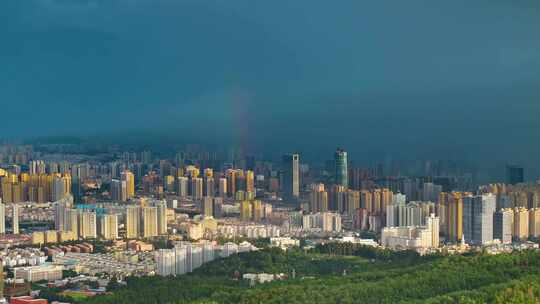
(455, 217)
(478, 218)
(534, 222)
(132, 222)
(161, 217)
(108, 226)
(182, 186)
(250, 181)
(231, 182)
(118, 190)
(207, 206)
(169, 183)
(336, 198)
(223, 187)
(318, 200)
(433, 225)
(37, 167)
(87, 225)
(503, 221)
(521, 224)
(217, 208)
(129, 179)
(58, 188)
(366, 201)
(245, 210)
(352, 202)
(149, 215)
(325, 221)
(209, 187)
(257, 210)
(72, 221)
(197, 188)
(419, 238)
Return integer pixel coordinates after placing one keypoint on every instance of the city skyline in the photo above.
(194, 151)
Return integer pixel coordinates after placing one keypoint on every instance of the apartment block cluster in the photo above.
(189, 181)
(367, 208)
(90, 221)
(124, 188)
(34, 186)
(462, 218)
(52, 237)
(322, 222)
(185, 257)
(418, 237)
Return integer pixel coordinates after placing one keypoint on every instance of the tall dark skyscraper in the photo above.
(341, 175)
(291, 176)
(514, 174)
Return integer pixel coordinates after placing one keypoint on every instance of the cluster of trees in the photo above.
(368, 252)
(274, 260)
(258, 242)
(336, 273)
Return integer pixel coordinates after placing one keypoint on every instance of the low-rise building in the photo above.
(46, 272)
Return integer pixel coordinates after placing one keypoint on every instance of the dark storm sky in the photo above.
(401, 79)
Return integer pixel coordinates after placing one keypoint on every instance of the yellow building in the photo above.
(35, 188)
(169, 183)
(51, 237)
(257, 210)
(534, 222)
(250, 181)
(455, 217)
(386, 199)
(108, 226)
(150, 225)
(521, 224)
(192, 171)
(318, 199)
(195, 231)
(87, 225)
(209, 172)
(132, 222)
(209, 223)
(245, 211)
(64, 236)
(377, 202)
(231, 181)
(38, 238)
(129, 178)
(7, 196)
(366, 200)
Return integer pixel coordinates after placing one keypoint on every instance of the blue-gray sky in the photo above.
(409, 79)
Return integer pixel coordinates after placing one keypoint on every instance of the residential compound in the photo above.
(143, 219)
(186, 257)
(418, 238)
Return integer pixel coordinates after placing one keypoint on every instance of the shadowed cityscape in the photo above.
(212, 151)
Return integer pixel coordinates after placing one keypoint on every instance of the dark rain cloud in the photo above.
(400, 79)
